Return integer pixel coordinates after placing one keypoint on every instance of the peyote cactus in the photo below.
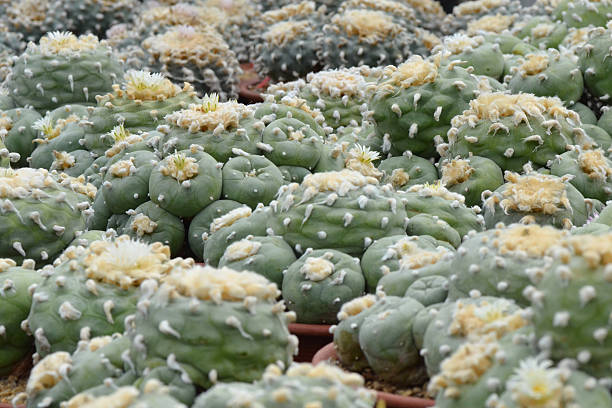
(251, 180)
(470, 177)
(535, 198)
(200, 225)
(592, 171)
(267, 256)
(211, 325)
(319, 282)
(91, 290)
(18, 132)
(512, 130)
(547, 74)
(18, 285)
(96, 16)
(185, 182)
(34, 18)
(485, 57)
(569, 297)
(287, 47)
(305, 385)
(415, 102)
(82, 68)
(41, 212)
(342, 210)
(197, 55)
(594, 63)
(466, 320)
(407, 170)
(583, 13)
(400, 253)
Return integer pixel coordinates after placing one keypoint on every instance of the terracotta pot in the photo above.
(4, 405)
(312, 338)
(251, 85)
(391, 400)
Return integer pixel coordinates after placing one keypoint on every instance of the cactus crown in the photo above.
(542, 30)
(459, 42)
(125, 262)
(436, 189)
(494, 106)
(187, 41)
(122, 397)
(145, 86)
(318, 268)
(595, 249)
(455, 172)
(50, 129)
(337, 83)
(303, 9)
(389, 6)
(24, 182)
(123, 168)
(414, 72)
(230, 218)
(370, 26)
(219, 285)
(465, 366)
(326, 371)
(62, 160)
(470, 320)
(143, 225)
(490, 24)
(534, 240)
(355, 306)
(283, 32)
(360, 158)
(595, 164)
(242, 249)
(411, 256)
(121, 139)
(535, 384)
(476, 7)
(533, 64)
(64, 42)
(210, 115)
(180, 167)
(533, 192)
(47, 372)
(340, 182)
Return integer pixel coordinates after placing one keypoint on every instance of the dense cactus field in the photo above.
(435, 186)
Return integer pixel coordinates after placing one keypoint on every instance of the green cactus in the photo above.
(485, 57)
(83, 68)
(541, 32)
(304, 385)
(18, 285)
(34, 18)
(287, 42)
(91, 290)
(494, 15)
(197, 55)
(126, 182)
(267, 256)
(592, 171)
(212, 325)
(460, 322)
(583, 13)
(537, 382)
(319, 282)
(415, 102)
(470, 177)
(153, 396)
(556, 203)
(58, 377)
(97, 16)
(185, 182)
(293, 174)
(18, 132)
(548, 73)
(407, 170)
(594, 63)
(398, 253)
(428, 290)
(567, 301)
(251, 180)
(41, 212)
(512, 130)
(150, 223)
(587, 116)
(199, 227)
(477, 372)
(342, 210)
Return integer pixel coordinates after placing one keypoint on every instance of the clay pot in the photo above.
(251, 85)
(312, 338)
(391, 400)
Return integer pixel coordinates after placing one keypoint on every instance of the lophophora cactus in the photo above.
(583, 13)
(415, 101)
(535, 198)
(41, 212)
(305, 385)
(288, 44)
(34, 18)
(62, 69)
(197, 55)
(96, 16)
(513, 130)
(470, 177)
(341, 210)
(90, 290)
(594, 63)
(485, 57)
(211, 325)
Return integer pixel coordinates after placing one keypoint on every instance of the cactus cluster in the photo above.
(435, 187)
